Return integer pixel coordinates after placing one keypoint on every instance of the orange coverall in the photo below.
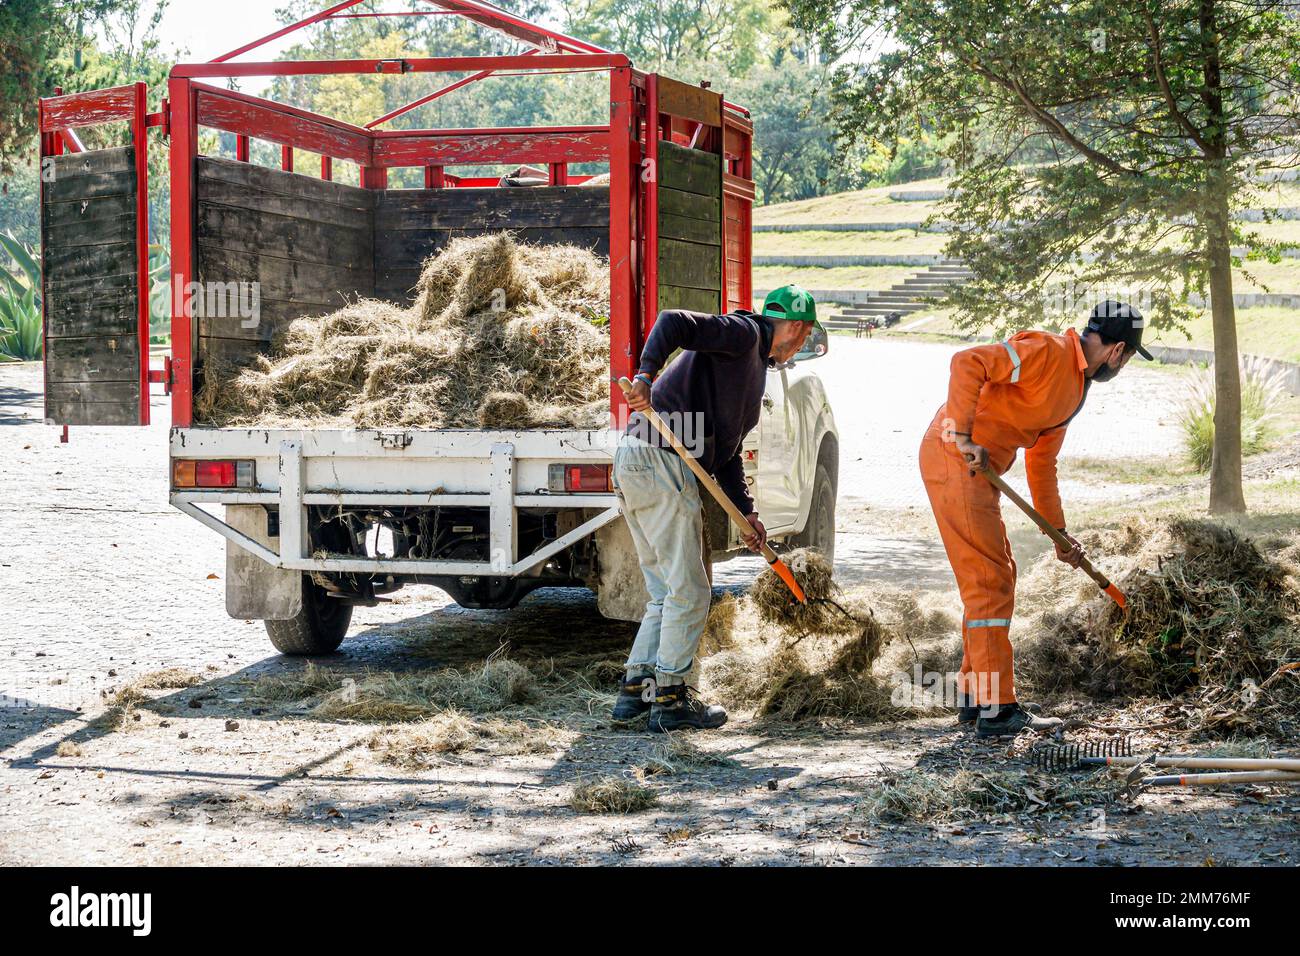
(1020, 393)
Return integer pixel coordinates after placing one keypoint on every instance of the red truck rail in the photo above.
(652, 119)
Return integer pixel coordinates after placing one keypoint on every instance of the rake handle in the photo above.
(711, 486)
(1060, 540)
(1230, 778)
(1193, 762)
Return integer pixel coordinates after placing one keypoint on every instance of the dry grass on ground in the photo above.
(611, 794)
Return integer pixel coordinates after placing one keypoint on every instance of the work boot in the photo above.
(968, 713)
(1011, 719)
(633, 699)
(677, 707)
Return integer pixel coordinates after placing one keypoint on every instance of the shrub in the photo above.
(20, 304)
(1261, 392)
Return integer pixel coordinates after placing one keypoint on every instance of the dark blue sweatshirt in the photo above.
(721, 375)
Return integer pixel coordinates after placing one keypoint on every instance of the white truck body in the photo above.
(507, 473)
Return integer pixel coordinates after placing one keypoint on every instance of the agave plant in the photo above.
(20, 304)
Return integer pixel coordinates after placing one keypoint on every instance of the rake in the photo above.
(1059, 539)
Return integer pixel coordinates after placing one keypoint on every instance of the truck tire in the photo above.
(319, 626)
(819, 532)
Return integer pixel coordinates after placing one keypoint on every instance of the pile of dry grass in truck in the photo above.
(501, 335)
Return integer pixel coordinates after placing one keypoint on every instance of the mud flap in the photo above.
(619, 585)
(254, 589)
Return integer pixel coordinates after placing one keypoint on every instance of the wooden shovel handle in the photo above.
(706, 480)
(1059, 539)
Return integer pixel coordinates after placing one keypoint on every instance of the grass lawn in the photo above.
(860, 205)
(899, 242)
(1286, 231)
(1273, 277)
(842, 277)
(1271, 505)
(1274, 332)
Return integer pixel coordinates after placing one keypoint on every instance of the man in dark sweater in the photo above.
(710, 396)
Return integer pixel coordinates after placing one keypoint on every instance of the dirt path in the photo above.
(102, 582)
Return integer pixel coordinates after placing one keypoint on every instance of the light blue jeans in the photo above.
(661, 503)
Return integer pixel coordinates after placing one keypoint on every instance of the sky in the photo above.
(208, 29)
(205, 29)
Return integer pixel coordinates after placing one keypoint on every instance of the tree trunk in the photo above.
(1226, 495)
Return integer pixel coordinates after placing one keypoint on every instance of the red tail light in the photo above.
(194, 473)
(581, 478)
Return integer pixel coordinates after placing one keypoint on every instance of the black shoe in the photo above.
(678, 707)
(968, 713)
(1011, 719)
(633, 701)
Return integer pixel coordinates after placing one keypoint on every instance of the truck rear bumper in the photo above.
(500, 471)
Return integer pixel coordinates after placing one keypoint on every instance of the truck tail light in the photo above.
(581, 478)
(197, 473)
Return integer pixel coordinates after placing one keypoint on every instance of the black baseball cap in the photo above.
(1119, 322)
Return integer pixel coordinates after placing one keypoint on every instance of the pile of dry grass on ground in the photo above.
(1211, 620)
(824, 612)
(122, 704)
(922, 796)
(501, 335)
(815, 663)
(453, 731)
(719, 626)
(396, 696)
(609, 794)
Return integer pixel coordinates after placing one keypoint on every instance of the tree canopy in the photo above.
(1096, 145)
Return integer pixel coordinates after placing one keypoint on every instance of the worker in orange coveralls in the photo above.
(1021, 393)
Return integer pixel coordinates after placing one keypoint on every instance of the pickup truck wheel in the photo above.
(319, 626)
(819, 533)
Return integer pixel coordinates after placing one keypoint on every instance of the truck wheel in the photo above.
(819, 532)
(317, 628)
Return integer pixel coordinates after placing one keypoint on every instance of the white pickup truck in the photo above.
(332, 518)
(320, 520)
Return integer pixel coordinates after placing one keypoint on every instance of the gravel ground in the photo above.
(103, 582)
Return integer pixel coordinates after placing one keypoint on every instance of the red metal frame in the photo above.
(58, 118)
(637, 121)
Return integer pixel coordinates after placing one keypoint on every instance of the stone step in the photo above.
(905, 295)
(868, 311)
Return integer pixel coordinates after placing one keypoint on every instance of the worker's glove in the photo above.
(977, 456)
(756, 540)
(1074, 556)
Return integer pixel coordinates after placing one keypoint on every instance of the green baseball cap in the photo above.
(792, 304)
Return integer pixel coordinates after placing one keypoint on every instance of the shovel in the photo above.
(712, 488)
(1061, 540)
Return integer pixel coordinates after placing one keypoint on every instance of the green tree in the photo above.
(795, 154)
(731, 34)
(1095, 142)
(35, 35)
(82, 46)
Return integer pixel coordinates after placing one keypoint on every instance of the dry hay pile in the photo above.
(916, 795)
(498, 685)
(1211, 621)
(501, 335)
(795, 662)
(452, 731)
(824, 612)
(610, 794)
